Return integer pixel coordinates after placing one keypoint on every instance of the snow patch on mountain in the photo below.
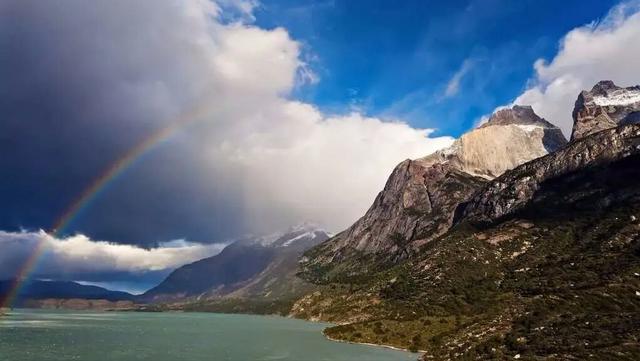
(528, 127)
(306, 235)
(619, 97)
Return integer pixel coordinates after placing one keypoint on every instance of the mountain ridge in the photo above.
(540, 262)
(420, 197)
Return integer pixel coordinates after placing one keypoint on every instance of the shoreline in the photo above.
(418, 353)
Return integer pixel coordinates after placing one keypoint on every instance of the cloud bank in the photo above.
(83, 82)
(83, 259)
(604, 50)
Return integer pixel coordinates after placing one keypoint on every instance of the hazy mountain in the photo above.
(246, 268)
(60, 290)
(420, 197)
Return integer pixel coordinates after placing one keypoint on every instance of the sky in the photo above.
(216, 119)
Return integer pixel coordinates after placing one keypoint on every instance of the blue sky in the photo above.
(395, 59)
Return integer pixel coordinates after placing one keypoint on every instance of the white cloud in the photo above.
(453, 86)
(81, 258)
(294, 162)
(605, 50)
(321, 167)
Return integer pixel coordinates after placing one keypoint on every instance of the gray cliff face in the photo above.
(421, 196)
(605, 106)
(507, 194)
(414, 206)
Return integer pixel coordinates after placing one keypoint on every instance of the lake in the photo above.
(40, 335)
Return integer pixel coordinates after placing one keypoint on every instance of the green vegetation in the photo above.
(257, 306)
(558, 280)
(413, 335)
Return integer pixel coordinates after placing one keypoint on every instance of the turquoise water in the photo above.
(27, 335)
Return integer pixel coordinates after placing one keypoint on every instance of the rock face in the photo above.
(510, 137)
(421, 196)
(605, 106)
(509, 193)
(238, 269)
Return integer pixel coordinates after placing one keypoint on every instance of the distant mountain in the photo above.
(253, 268)
(539, 263)
(236, 263)
(605, 106)
(60, 290)
(420, 197)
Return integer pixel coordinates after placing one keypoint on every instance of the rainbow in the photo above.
(93, 191)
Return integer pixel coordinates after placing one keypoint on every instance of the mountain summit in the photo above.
(509, 138)
(605, 106)
(419, 199)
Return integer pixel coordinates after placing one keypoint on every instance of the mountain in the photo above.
(236, 263)
(420, 197)
(540, 263)
(253, 269)
(516, 189)
(59, 290)
(604, 107)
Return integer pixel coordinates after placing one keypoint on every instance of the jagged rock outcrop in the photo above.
(605, 106)
(509, 193)
(420, 197)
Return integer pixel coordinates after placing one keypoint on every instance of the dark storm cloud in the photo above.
(83, 82)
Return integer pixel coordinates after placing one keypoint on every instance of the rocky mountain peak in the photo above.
(512, 191)
(605, 106)
(307, 229)
(420, 197)
(603, 87)
(511, 137)
(517, 115)
(306, 226)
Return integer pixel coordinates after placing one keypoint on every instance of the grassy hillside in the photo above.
(558, 280)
